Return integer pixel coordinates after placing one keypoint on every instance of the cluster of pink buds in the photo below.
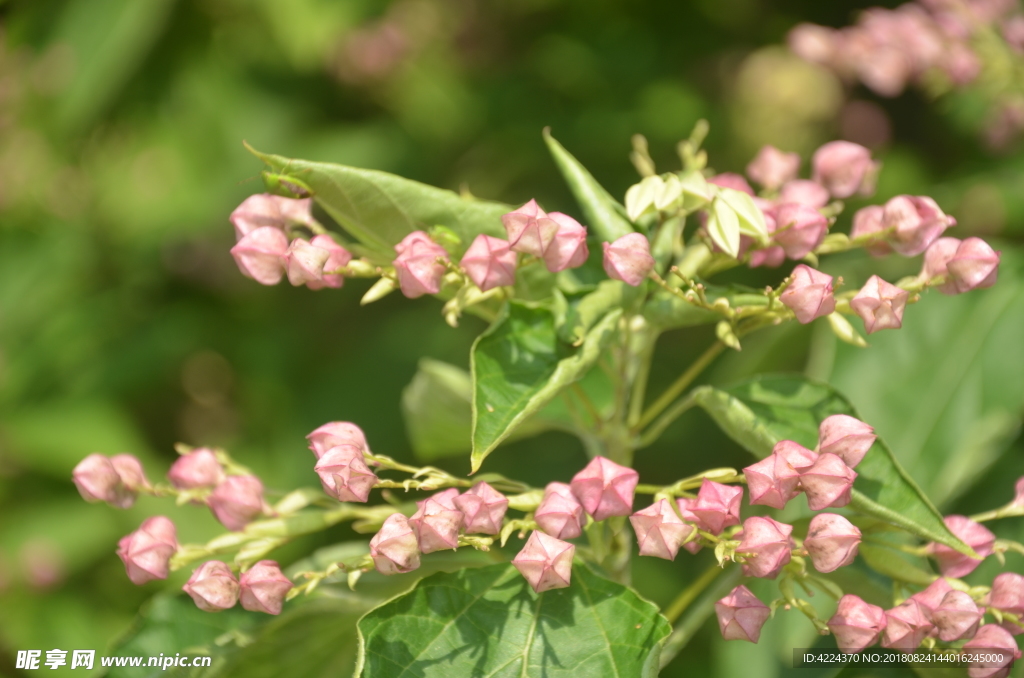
(339, 447)
(261, 588)
(115, 480)
(265, 253)
(556, 238)
(235, 500)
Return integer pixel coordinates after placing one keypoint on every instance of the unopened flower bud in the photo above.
(974, 266)
(437, 522)
(264, 587)
(130, 470)
(146, 553)
(809, 294)
(338, 257)
(237, 501)
(795, 454)
(260, 255)
(628, 259)
(1007, 595)
(526, 232)
(831, 541)
(659, 531)
(1018, 497)
(866, 221)
(568, 248)
(765, 546)
(394, 548)
(844, 168)
(906, 625)
(198, 468)
(98, 480)
(918, 221)
(304, 262)
(483, 509)
(717, 506)
(344, 474)
(772, 481)
(828, 482)
(336, 433)
(560, 514)
(771, 168)
(213, 587)
(957, 617)
(545, 562)
(846, 437)
(880, 305)
(419, 271)
(856, 624)
(991, 638)
(952, 563)
(804, 192)
(799, 229)
(266, 210)
(489, 262)
(741, 615)
(605, 489)
(936, 257)
(931, 597)
(685, 504)
(733, 181)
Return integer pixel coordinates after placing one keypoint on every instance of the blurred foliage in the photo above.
(124, 325)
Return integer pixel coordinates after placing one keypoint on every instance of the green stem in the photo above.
(655, 430)
(1008, 511)
(690, 593)
(680, 384)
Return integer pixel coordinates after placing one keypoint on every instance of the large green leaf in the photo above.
(519, 364)
(380, 209)
(488, 622)
(603, 214)
(760, 412)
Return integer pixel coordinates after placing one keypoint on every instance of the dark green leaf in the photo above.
(379, 209)
(519, 364)
(585, 312)
(438, 411)
(488, 622)
(760, 412)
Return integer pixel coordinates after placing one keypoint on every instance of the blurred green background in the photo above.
(126, 327)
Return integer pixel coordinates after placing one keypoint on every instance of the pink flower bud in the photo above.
(957, 617)
(772, 168)
(772, 481)
(906, 626)
(804, 192)
(831, 541)
(338, 257)
(827, 482)
(419, 271)
(717, 506)
(266, 210)
(1018, 497)
(98, 480)
(974, 266)
(198, 468)
(213, 587)
(483, 509)
(809, 294)
(765, 546)
(628, 259)
(846, 437)
(560, 514)
(814, 43)
(856, 624)
(146, 553)
(605, 489)
(733, 181)
(344, 474)
(772, 257)
(799, 229)
(545, 562)
(931, 597)
(1007, 595)
(795, 454)
(237, 501)
(918, 222)
(525, 231)
(844, 168)
(437, 522)
(936, 257)
(130, 470)
(490, 263)
(955, 564)
(336, 433)
(880, 305)
(260, 255)
(304, 262)
(988, 638)
(659, 531)
(741, 615)
(866, 221)
(264, 587)
(394, 548)
(568, 248)
(685, 505)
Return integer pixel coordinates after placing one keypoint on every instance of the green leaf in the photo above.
(519, 364)
(585, 312)
(724, 227)
(602, 212)
(751, 219)
(379, 209)
(437, 410)
(488, 622)
(760, 412)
